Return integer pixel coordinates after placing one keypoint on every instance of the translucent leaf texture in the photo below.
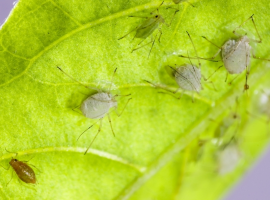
(155, 154)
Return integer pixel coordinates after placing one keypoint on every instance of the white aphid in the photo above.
(264, 104)
(188, 77)
(228, 159)
(236, 53)
(98, 105)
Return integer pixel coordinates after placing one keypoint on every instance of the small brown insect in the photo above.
(24, 172)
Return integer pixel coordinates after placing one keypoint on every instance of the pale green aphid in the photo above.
(98, 105)
(146, 29)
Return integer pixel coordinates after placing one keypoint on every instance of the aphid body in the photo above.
(98, 105)
(149, 26)
(236, 55)
(188, 77)
(24, 172)
(228, 159)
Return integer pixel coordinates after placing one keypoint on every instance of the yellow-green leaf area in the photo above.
(155, 153)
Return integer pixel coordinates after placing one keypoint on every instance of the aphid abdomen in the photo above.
(147, 28)
(236, 55)
(228, 159)
(24, 172)
(97, 105)
(188, 78)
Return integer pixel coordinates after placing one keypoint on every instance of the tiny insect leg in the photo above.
(211, 75)
(154, 43)
(110, 121)
(112, 79)
(4, 167)
(250, 18)
(128, 33)
(99, 129)
(119, 114)
(259, 58)
(86, 130)
(211, 82)
(11, 178)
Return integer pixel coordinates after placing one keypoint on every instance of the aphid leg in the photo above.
(28, 160)
(157, 9)
(250, 18)
(176, 10)
(216, 54)
(86, 130)
(246, 86)
(226, 78)
(4, 167)
(128, 33)
(73, 109)
(233, 79)
(77, 81)
(119, 114)
(160, 31)
(11, 178)
(259, 58)
(178, 98)
(211, 75)
(99, 129)
(141, 46)
(110, 121)
(153, 44)
(206, 80)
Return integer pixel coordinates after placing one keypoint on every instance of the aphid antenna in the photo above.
(195, 50)
(76, 80)
(110, 121)
(208, 59)
(157, 9)
(16, 154)
(250, 18)
(112, 79)
(100, 126)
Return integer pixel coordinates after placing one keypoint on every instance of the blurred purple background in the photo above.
(255, 184)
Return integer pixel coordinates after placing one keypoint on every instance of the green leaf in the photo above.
(155, 154)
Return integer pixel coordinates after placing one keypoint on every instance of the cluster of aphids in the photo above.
(235, 57)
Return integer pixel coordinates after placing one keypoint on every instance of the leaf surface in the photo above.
(155, 152)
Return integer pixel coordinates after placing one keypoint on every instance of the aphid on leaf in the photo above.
(144, 30)
(188, 76)
(98, 105)
(24, 171)
(236, 53)
(232, 120)
(228, 158)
